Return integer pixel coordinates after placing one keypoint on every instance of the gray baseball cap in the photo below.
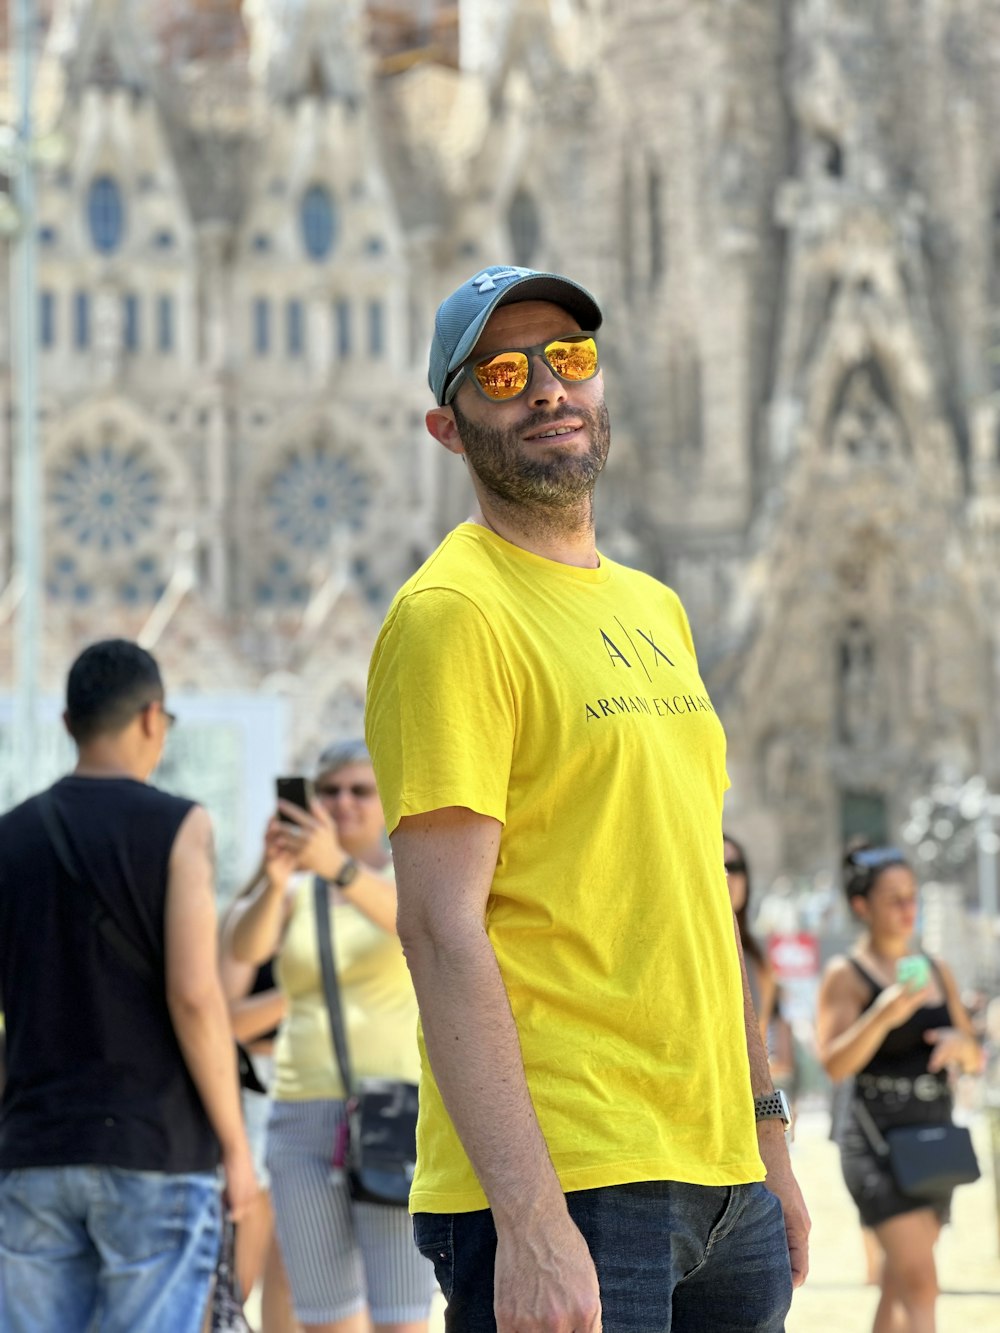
(462, 316)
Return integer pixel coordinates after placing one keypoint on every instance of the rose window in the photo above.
(314, 493)
(106, 497)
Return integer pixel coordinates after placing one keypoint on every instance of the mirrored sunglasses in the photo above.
(506, 374)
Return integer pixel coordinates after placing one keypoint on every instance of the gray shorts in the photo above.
(339, 1255)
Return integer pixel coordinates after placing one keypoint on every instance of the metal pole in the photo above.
(986, 850)
(27, 520)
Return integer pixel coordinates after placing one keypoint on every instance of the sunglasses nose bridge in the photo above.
(544, 384)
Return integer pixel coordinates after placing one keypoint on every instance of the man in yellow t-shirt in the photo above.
(597, 1117)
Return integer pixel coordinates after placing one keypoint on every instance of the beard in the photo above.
(519, 478)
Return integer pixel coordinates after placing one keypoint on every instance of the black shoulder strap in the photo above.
(865, 974)
(871, 1131)
(100, 918)
(331, 990)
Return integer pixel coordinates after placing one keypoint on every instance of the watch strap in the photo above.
(346, 874)
(772, 1106)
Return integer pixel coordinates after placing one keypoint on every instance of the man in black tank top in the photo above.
(121, 1088)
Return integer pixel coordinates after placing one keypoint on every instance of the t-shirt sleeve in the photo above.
(440, 714)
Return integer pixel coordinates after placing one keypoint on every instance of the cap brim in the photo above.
(573, 298)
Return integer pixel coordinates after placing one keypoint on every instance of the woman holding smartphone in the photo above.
(350, 1265)
(890, 1018)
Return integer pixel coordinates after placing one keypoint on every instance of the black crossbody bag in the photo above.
(925, 1161)
(381, 1150)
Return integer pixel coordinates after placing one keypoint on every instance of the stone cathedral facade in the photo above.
(790, 210)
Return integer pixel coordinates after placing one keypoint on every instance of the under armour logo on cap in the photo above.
(488, 279)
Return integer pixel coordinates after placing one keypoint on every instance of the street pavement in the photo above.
(835, 1298)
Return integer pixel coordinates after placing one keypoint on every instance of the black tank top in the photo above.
(895, 1083)
(94, 1072)
(264, 981)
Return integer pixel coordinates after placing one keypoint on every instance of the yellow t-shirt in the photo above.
(376, 995)
(567, 704)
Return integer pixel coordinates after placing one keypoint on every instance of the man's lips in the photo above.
(554, 431)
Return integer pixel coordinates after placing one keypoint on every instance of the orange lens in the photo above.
(572, 359)
(502, 376)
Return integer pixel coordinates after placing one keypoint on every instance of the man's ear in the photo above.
(145, 720)
(442, 425)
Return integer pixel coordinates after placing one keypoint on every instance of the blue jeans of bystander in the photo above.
(86, 1248)
(670, 1258)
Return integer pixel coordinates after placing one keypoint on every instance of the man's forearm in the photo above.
(760, 1073)
(206, 1042)
(474, 1051)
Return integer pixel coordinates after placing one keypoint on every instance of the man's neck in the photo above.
(99, 761)
(565, 536)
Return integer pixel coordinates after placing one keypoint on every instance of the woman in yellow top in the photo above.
(347, 1262)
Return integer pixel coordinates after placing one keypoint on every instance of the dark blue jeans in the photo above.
(670, 1258)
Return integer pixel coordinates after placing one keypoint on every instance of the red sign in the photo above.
(794, 956)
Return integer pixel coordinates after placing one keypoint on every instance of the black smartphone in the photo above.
(296, 790)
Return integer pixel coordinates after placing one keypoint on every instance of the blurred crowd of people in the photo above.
(891, 1034)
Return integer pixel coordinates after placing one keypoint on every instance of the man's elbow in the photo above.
(430, 941)
(190, 995)
(414, 930)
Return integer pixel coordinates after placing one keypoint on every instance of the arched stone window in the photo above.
(105, 214)
(318, 221)
(684, 404)
(525, 228)
(657, 224)
(859, 713)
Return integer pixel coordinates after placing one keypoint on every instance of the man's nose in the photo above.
(546, 388)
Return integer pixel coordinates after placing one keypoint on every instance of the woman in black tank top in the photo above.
(897, 1040)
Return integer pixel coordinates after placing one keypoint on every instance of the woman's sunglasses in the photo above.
(361, 791)
(504, 375)
(736, 867)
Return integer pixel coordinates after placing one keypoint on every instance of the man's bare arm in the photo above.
(445, 861)
(196, 1003)
(771, 1139)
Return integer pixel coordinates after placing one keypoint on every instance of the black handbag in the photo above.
(926, 1161)
(381, 1150)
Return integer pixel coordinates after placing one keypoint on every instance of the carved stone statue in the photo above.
(866, 428)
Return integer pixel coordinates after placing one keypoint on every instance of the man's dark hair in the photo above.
(108, 684)
(747, 938)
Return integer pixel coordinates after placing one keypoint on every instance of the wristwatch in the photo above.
(772, 1106)
(346, 874)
